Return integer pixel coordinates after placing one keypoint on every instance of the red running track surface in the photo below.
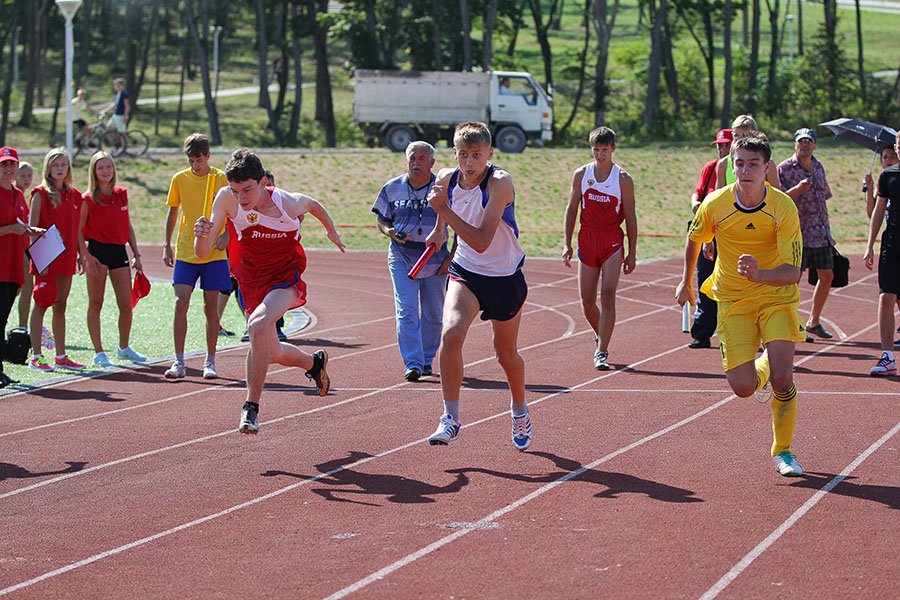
(651, 480)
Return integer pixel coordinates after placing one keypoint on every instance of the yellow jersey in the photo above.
(188, 191)
(769, 232)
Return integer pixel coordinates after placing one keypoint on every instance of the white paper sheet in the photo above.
(46, 248)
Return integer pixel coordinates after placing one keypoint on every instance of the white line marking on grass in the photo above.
(773, 537)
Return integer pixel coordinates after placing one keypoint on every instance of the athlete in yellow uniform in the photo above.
(757, 232)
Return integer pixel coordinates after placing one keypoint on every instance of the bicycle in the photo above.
(100, 137)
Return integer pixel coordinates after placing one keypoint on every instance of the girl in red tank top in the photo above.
(267, 260)
(104, 230)
(55, 202)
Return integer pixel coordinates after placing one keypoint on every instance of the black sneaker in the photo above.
(427, 371)
(700, 343)
(6, 380)
(318, 373)
(249, 418)
(412, 374)
(245, 337)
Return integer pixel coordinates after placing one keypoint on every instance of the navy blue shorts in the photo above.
(889, 263)
(499, 298)
(213, 276)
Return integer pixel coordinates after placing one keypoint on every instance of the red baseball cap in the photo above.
(44, 292)
(8, 153)
(140, 288)
(725, 136)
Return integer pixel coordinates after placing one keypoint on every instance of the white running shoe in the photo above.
(129, 353)
(176, 371)
(521, 431)
(885, 366)
(601, 360)
(786, 464)
(209, 370)
(447, 431)
(249, 419)
(101, 360)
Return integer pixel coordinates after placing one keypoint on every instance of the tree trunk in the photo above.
(83, 52)
(576, 101)
(324, 102)
(799, 28)
(296, 54)
(859, 52)
(134, 16)
(215, 137)
(31, 64)
(466, 32)
(8, 79)
(729, 67)
(774, 54)
(709, 56)
(135, 92)
(604, 21)
(490, 20)
(436, 34)
(282, 75)
(831, 55)
(59, 103)
(753, 76)
(540, 30)
(156, 114)
(263, 43)
(669, 70)
(655, 60)
(517, 23)
(184, 62)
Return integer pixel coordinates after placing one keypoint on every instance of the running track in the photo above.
(651, 480)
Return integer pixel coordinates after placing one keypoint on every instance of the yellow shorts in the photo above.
(746, 323)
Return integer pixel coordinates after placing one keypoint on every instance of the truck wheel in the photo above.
(511, 139)
(398, 138)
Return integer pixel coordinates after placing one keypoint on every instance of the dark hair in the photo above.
(756, 142)
(270, 177)
(602, 135)
(243, 165)
(196, 144)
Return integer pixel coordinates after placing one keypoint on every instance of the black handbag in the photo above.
(17, 345)
(841, 271)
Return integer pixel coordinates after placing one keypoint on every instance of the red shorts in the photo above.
(596, 246)
(250, 297)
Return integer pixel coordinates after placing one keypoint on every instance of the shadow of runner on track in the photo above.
(885, 494)
(395, 488)
(325, 343)
(11, 471)
(491, 384)
(615, 483)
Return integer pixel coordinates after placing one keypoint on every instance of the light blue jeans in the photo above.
(420, 306)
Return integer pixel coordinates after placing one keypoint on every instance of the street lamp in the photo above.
(216, 33)
(68, 8)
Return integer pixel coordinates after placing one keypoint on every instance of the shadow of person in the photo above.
(11, 471)
(885, 494)
(394, 488)
(613, 483)
(493, 384)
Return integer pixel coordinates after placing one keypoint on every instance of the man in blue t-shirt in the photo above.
(406, 218)
(121, 107)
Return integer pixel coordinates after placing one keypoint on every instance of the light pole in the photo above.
(16, 56)
(216, 33)
(68, 8)
(790, 20)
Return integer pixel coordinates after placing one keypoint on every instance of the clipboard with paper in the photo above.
(46, 248)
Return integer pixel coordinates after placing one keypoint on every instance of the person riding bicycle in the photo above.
(80, 110)
(121, 107)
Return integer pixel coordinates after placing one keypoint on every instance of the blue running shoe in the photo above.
(129, 353)
(521, 431)
(447, 431)
(786, 464)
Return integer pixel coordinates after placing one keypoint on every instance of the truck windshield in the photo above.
(518, 86)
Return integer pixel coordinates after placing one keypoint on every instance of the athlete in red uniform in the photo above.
(605, 195)
(266, 258)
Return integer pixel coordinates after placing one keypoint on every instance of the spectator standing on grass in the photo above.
(803, 178)
(704, 325)
(55, 202)
(188, 194)
(605, 195)
(268, 261)
(14, 232)
(104, 231)
(406, 218)
(24, 179)
(759, 245)
(886, 205)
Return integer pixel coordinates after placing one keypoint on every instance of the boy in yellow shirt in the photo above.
(754, 281)
(188, 192)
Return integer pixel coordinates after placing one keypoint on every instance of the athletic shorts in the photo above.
(214, 276)
(250, 298)
(746, 323)
(889, 264)
(117, 122)
(234, 287)
(596, 246)
(112, 256)
(499, 298)
(817, 258)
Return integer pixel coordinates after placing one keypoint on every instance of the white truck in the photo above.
(394, 108)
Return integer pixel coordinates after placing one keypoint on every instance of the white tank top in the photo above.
(504, 254)
(282, 223)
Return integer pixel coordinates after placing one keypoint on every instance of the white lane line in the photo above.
(146, 540)
(412, 557)
(773, 537)
(541, 390)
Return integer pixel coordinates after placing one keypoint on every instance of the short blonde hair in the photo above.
(745, 122)
(471, 133)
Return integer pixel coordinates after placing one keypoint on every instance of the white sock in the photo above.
(451, 407)
(519, 409)
(888, 353)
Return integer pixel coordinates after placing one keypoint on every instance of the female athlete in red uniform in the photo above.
(266, 258)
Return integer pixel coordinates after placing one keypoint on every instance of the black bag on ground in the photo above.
(841, 271)
(17, 345)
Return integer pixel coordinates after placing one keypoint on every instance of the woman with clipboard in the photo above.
(13, 231)
(55, 202)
